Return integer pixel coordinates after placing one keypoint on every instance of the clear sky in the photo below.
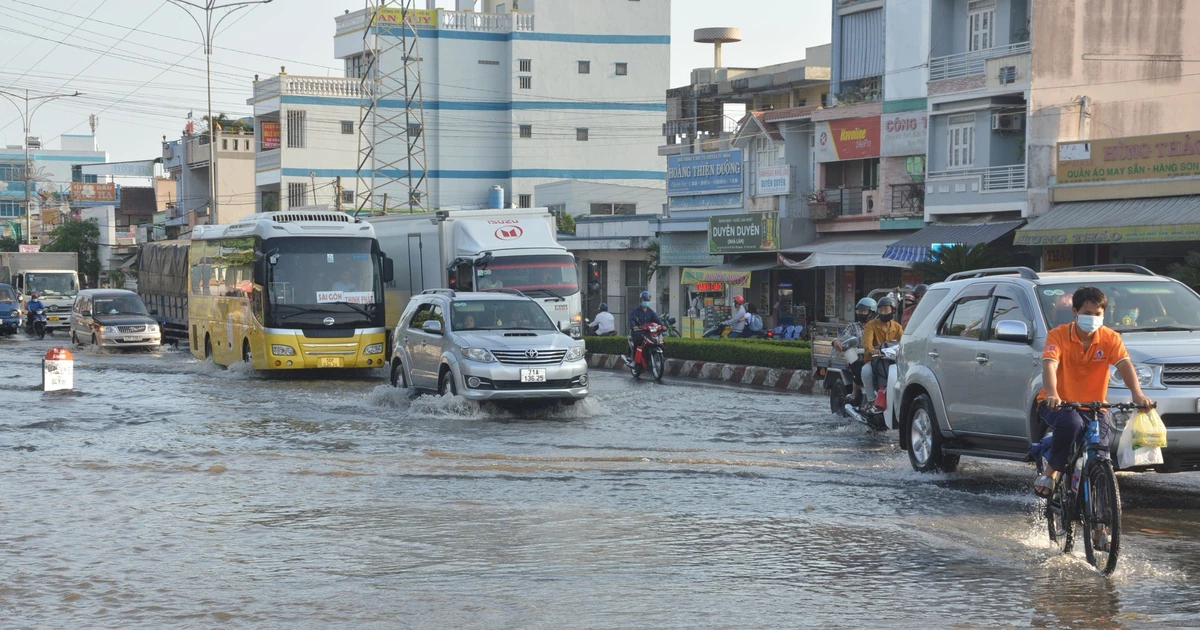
(141, 69)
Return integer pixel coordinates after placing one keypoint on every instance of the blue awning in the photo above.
(915, 246)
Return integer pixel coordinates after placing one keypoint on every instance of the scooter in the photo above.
(649, 357)
(863, 409)
(36, 324)
(718, 331)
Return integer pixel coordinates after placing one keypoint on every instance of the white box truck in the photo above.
(52, 275)
(478, 250)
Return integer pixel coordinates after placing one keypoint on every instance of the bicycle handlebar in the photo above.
(1097, 406)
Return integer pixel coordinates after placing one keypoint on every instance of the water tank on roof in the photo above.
(496, 198)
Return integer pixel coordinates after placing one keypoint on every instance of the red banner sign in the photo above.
(848, 139)
(270, 135)
(82, 192)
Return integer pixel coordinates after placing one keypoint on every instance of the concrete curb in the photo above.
(800, 381)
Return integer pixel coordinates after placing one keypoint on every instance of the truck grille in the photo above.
(131, 329)
(1182, 374)
(523, 357)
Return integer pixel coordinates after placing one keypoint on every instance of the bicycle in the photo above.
(1089, 496)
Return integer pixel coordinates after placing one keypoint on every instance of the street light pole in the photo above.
(209, 7)
(26, 123)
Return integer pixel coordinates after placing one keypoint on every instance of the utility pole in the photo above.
(207, 31)
(337, 193)
(26, 120)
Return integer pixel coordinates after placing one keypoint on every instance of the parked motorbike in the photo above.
(648, 356)
(865, 405)
(718, 331)
(672, 329)
(36, 324)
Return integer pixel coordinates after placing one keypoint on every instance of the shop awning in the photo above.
(915, 246)
(735, 274)
(1147, 220)
(842, 250)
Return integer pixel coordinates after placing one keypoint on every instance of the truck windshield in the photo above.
(499, 315)
(1133, 305)
(52, 284)
(554, 273)
(311, 278)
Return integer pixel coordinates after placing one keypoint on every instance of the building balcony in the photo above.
(977, 190)
(268, 91)
(450, 21)
(908, 200)
(833, 204)
(268, 160)
(971, 64)
(196, 151)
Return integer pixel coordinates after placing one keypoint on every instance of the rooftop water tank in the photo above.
(496, 198)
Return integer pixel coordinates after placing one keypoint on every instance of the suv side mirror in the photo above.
(432, 326)
(86, 313)
(1012, 330)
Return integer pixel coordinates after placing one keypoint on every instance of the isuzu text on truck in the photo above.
(480, 250)
(52, 275)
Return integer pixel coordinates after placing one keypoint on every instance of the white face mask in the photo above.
(1089, 323)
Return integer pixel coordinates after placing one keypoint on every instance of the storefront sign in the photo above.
(1101, 236)
(848, 301)
(704, 173)
(830, 294)
(419, 18)
(774, 180)
(732, 234)
(904, 133)
(1057, 257)
(270, 135)
(731, 277)
(82, 192)
(684, 249)
(716, 287)
(1162, 156)
(847, 139)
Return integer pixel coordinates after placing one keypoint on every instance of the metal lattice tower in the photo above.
(392, 113)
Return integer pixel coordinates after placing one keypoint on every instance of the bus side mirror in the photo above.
(593, 288)
(389, 269)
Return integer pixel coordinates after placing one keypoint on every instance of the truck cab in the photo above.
(51, 275)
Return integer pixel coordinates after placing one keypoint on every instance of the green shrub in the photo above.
(756, 352)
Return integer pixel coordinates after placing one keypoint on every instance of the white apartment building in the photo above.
(515, 94)
(53, 170)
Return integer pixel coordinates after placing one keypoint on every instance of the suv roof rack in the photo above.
(1138, 269)
(449, 292)
(508, 291)
(1025, 272)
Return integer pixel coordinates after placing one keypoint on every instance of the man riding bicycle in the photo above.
(1075, 364)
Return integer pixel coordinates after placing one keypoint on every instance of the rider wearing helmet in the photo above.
(605, 323)
(852, 337)
(918, 292)
(738, 321)
(32, 306)
(883, 329)
(639, 317)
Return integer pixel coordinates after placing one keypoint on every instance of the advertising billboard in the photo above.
(713, 173)
(774, 180)
(418, 18)
(83, 192)
(743, 233)
(270, 135)
(904, 133)
(847, 139)
(1163, 156)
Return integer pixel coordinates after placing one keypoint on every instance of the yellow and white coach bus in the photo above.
(288, 290)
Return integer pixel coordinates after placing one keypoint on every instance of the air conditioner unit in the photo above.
(868, 201)
(1007, 122)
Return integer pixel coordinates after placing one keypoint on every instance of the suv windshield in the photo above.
(1133, 305)
(51, 284)
(123, 305)
(498, 315)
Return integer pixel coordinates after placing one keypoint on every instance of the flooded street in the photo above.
(165, 492)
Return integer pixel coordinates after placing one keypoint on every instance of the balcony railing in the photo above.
(267, 160)
(484, 22)
(837, 202)
(908, 199)
(994, 179)
(970, 63)
(353, 21)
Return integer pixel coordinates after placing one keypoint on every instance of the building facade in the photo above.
(189, 160)
(51, 175)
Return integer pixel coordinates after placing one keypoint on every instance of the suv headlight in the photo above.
(375, 348)
(575, 353)
(479, 354)
(283, 351)
(1148, 376)
(152, 328)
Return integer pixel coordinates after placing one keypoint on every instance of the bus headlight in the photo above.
(283, 351)
(375, 348)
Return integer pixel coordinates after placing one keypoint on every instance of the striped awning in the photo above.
(915, 247)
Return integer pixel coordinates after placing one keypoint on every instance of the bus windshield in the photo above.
(324, 276)
(51, 284)
(554, 273)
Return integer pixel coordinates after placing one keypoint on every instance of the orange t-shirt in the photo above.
(1083, 376)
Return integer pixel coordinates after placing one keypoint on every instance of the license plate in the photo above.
(329, 362)
(129, 339)
(533, 376)
(53, 319)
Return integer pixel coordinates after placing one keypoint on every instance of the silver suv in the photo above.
(486, 346)
(969, 369)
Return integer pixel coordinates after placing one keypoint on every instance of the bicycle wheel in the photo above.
(1059, 514)
(1102, 516)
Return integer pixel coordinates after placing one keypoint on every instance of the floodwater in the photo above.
(165, 492)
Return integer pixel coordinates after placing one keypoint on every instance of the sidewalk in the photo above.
(785, 380)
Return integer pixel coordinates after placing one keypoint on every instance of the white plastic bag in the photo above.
(1129, 457)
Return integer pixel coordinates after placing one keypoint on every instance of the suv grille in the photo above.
(1181, 374)
(131, 329)
(519, 357)
(510, 385)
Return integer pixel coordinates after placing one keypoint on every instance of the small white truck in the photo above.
(52, 275)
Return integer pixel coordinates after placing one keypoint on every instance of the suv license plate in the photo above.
(130, 339)
(326, 362)
(533, 376)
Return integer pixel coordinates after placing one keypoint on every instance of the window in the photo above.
(14, 172)
(557, 208)
(247, 142)
(966, 320)
(526, 131)
(225, 144)
(825, 100)
(585, 67)
(524, 201)
(347, 127)
(525, 65)
(606, 209)
(10, 209)
(622, 68)
(1007, 309)
(426, 312)
(981, 23)
(931, 300)
(297, 194)
(960, 141)
(347, 196)
(526, 83)
(581, 134)
(414, 129)
(357, 66)
(296, 129)
(488, 62)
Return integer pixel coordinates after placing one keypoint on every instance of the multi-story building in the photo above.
(50, 176)
(189, 161)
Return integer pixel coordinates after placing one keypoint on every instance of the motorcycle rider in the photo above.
(883, 329)
(605, 323)
(852, 337)
(738, 321)
(32, 306)
(639, 317)
(918, 292)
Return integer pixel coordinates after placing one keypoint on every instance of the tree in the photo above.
(81, 237)
(1188, 271)
(653, 252)
(224, 123)
(565, 222)
(952, 259)
(9, 244)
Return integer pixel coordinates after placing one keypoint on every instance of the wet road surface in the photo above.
(166, 492)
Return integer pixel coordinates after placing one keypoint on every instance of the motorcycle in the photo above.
(718, 331)
(672, 330)
(648, 356)
(36, 324)
(864, 407)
